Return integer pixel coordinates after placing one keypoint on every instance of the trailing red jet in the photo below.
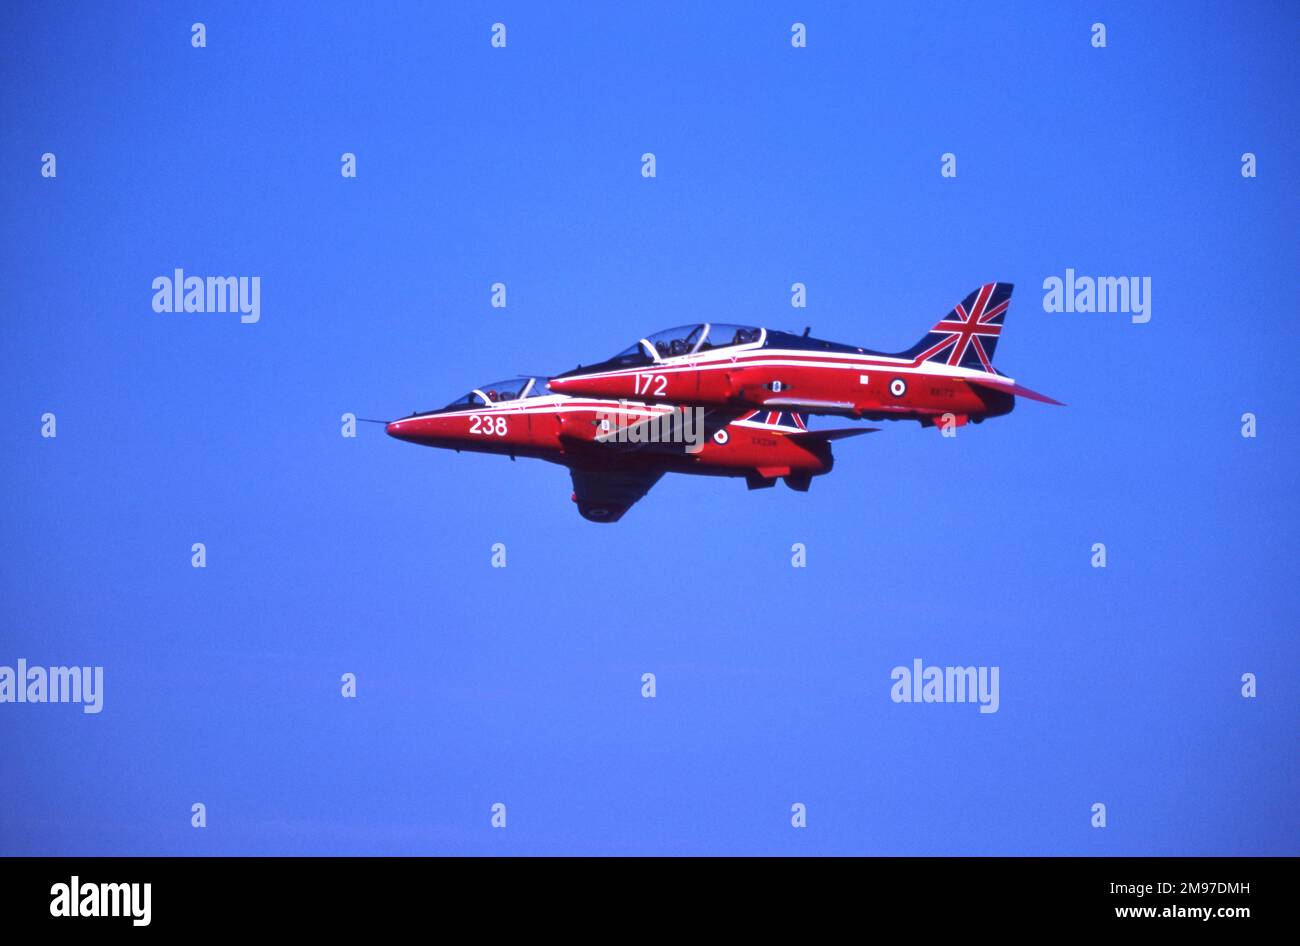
(617, 450)
(948, 372)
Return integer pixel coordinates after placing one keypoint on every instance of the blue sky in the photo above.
(522, 685)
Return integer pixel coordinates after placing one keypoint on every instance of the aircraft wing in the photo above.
(604, 495)
(811, 407)
(834, 433)
(1018, 390)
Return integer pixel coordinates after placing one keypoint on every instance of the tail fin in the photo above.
(777, 417)
(968, 335)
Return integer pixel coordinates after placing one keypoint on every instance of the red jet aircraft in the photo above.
(949, 371)
(617, 450)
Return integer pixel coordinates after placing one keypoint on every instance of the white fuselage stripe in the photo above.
(793, 359)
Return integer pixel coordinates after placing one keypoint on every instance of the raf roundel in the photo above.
(721, 436)
(898, 387)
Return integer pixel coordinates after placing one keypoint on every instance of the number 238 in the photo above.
(488, 426)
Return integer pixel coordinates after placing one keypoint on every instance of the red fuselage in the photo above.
(568, 431)
(847, 383)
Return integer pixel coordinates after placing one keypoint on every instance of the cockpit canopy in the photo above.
(486, 395)
(687, 340)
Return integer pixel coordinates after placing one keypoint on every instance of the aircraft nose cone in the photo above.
(394, 429)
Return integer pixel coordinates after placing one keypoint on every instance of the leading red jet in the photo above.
(617, 450)
(948, 372)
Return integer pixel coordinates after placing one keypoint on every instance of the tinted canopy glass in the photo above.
(472, 399)
(685, 340)
(498, 392)
(724, 336)
(677, 341)
(632, 355)
(510, 390)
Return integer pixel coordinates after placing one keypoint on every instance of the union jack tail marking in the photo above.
(968, 335)
(776, 418)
